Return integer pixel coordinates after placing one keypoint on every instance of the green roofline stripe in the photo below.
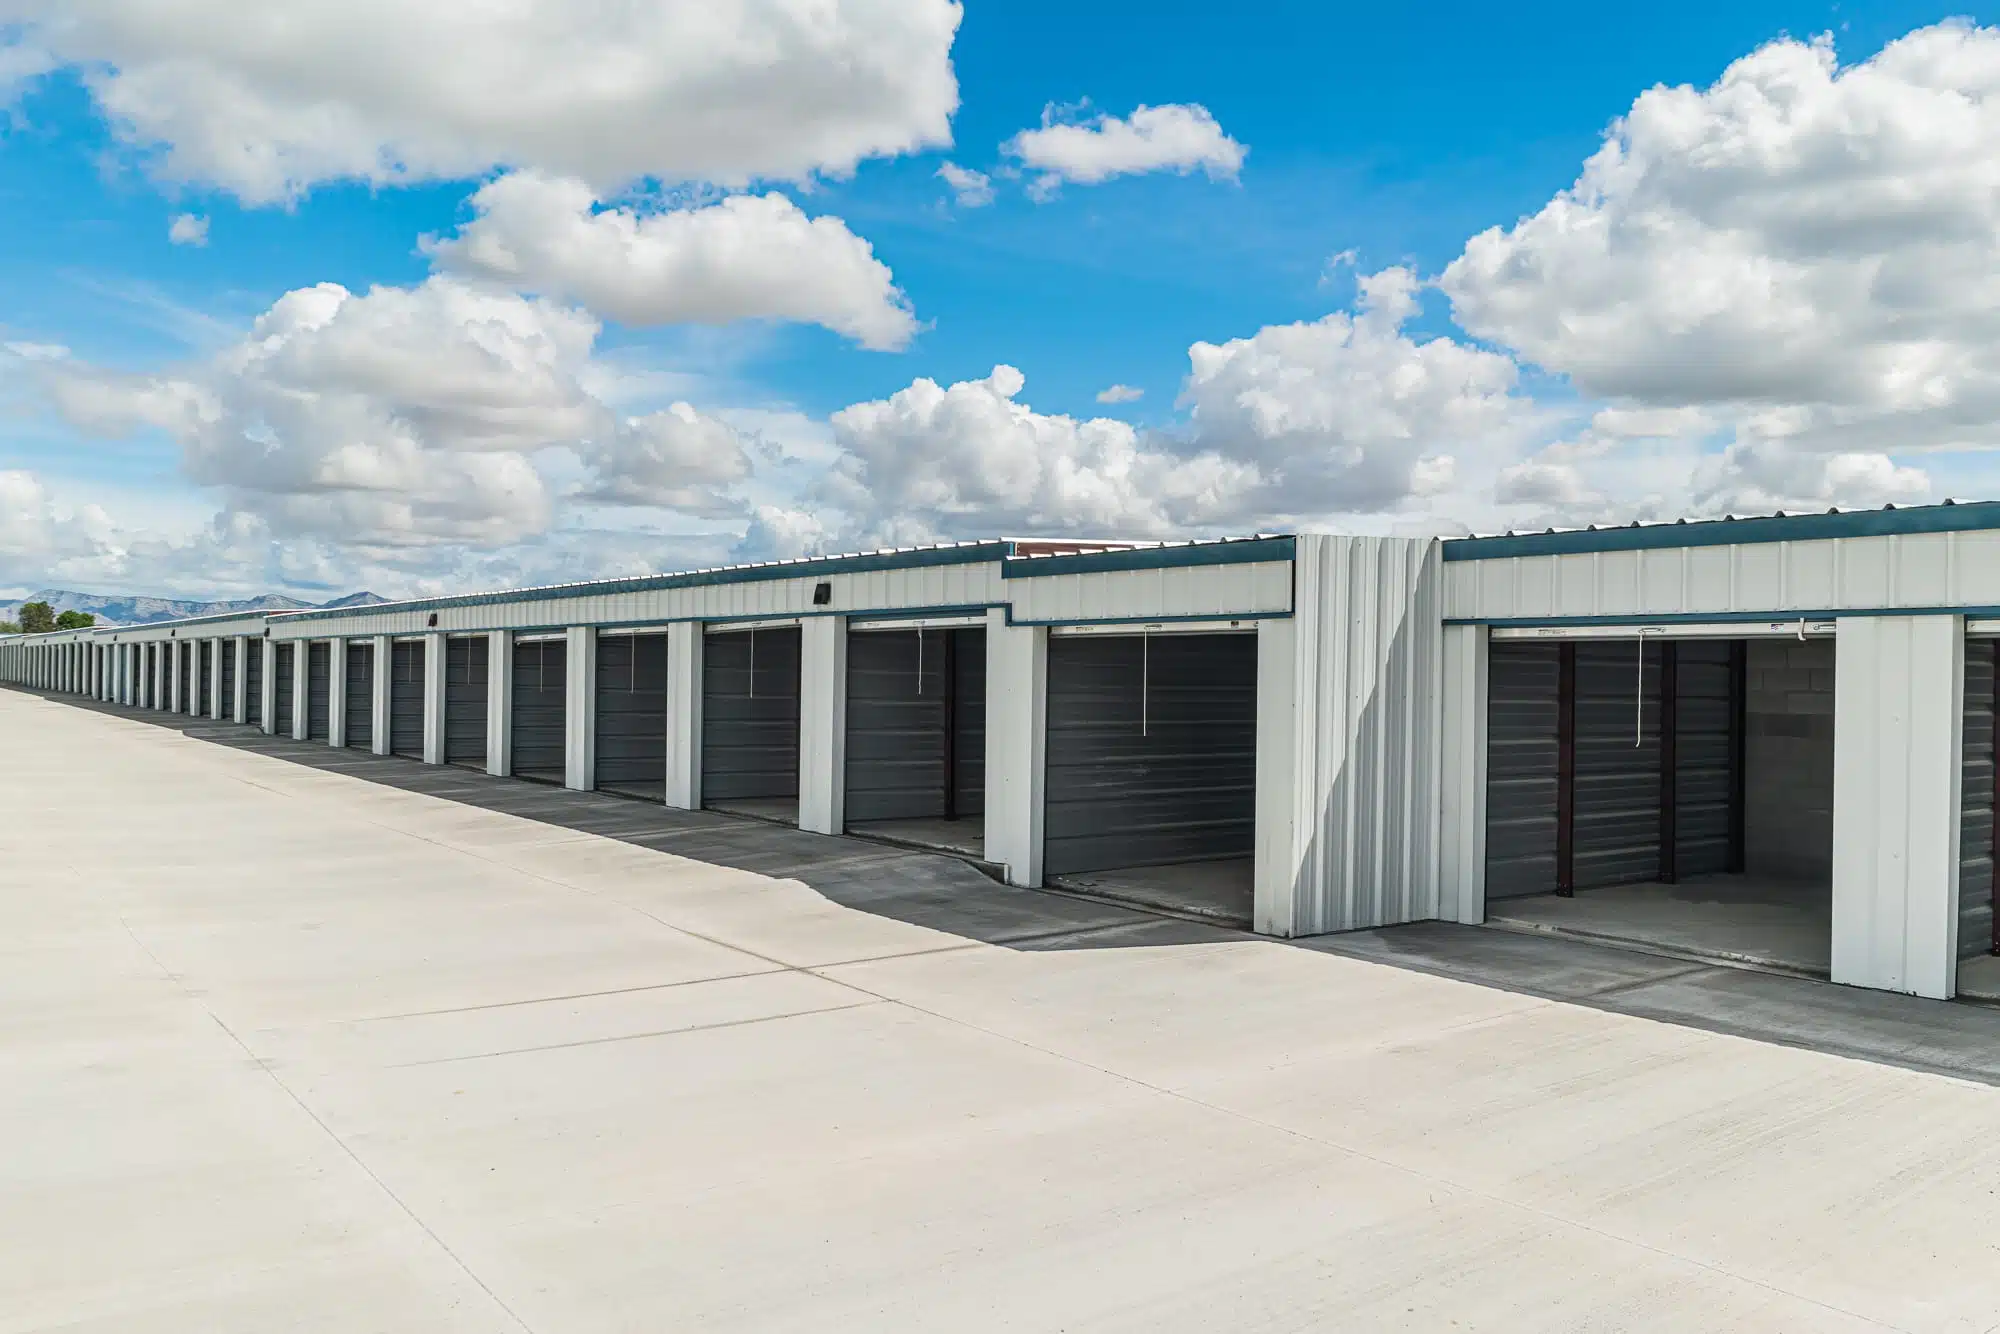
(1243, 552)
(1729, 532)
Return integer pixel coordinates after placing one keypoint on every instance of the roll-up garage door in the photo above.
(1152, 754)
(253, 683)
(632, 715)
(406, 699)
(1617, 763)
(1975, 838)
(465, 701)
(360, 694)
(319, 688)
(1521, 681)
(284, 669)
(910, 721)
(228, 651)
(205, 701)
(540, 672)
(1704, 754)
(750, 715)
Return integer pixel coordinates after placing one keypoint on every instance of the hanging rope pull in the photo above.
(920, 661)
(753, 664)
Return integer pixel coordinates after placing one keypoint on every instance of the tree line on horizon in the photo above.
(38, 618)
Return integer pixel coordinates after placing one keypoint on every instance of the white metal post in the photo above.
(1898, 737)
(500, 703)
(214, 700)
(381, 657)
(580, 709)
(267, 685)
(1017, 675)
(1462, 845)
(684, 684)
(336, 693)
(239, 685)
(823, 724)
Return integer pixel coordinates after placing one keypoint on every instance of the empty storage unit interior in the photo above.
(541, 672)
(750, 721)
(916, 733)
(406, 698)
(1151, 767)
(631, 750)
(465, 668)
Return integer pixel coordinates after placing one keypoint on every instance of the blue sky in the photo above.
(1376, 139)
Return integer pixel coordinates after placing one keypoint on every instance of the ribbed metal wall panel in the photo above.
(1521, 769)
(900, 701)
(1219, 591)
(228, 651)
(285, 669)
(406, 699)
(253, 683)
(1151, 750)
(1617, 763)
(360, 694)
(1704, 756)
(541, 675)
(1913, 570)
(750, 719)
(465, 701)
(319, 687)
(632, 715)
(1975, 848)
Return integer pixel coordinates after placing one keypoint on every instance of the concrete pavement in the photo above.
(282, 1049)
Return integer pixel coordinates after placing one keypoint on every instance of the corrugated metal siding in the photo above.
(1617, 782)
(1219, 591)
(360, 694)
(1151, 750)
(406, 699)
(750, 738)
(285, 670)
(228, 650)
(319, 687)
(541, 673)
(1975, 848)
(465, 701)
(253, 683)
(1520, 769)
(1704, 756)
(1915, 570)
(632, 715)
(896, 707)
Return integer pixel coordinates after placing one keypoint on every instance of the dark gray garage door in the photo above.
(228, 650)
(916, 711)
(406, 699)
(1617, 781)
(465, 701)
(360, 694)
(205, 701)
(284, 667)
(319, 686)
(750, 715)
(632, 715)
(1976, 793)
(540, 671)
(1152, 750)
(1521, 770)
(1704, 759)
(253, 683)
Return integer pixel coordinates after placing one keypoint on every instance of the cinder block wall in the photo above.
(1788, 760)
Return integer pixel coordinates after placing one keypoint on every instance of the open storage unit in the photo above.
(465, 701)
(406, 698)
(916, 733)
(541, 674)
(1150, 788)
(632, 714)
(750, 722)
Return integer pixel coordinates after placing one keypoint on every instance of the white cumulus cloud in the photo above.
(1174, 137)
(188, 229)
(746, 257)
(268, 100)
(973, 189)
(1120, 393)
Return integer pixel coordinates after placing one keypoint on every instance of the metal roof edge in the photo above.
(1217, 551)
(1951, 517)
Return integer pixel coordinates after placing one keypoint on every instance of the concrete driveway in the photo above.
(284, 1049)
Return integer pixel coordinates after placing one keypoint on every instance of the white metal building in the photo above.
(1768, 739)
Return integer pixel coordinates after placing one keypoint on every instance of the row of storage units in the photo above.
(1767, 740)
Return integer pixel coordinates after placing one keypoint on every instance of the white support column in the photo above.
(1278, 746)
(214, 701)
(1017, 680)
(336, 693)
(823, 724)
(267, 687)
(301, 686)
(1462, 832)
(580, 709)
(434, 661)
(380, 660)
(239, 685)
(1898, 723)
(500, 703)
(684, 680)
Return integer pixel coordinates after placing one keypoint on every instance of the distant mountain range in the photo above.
(120, 610)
